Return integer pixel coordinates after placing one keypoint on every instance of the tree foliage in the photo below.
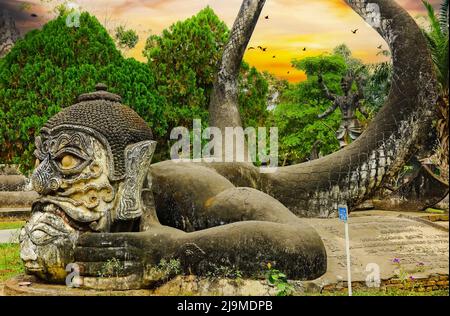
(126, 39)
(437, 36)
(299, 128)
(185, 58)
(49, 68)
(300, 131)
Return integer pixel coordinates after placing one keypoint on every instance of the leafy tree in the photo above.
(126, 39)
(300, 131)
(299, 128)
(185, 58)
(437, 37)
(376, 88)
(253, 92)
(50, 67)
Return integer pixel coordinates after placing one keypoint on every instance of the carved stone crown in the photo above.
(102, 113)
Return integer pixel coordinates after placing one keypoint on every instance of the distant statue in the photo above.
(350, 128)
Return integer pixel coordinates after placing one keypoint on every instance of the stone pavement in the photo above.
(421, 246)
(376, 238)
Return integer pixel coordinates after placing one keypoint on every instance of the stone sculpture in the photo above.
(102, 201)
(354, 173)
(350, 128)
(94, 177)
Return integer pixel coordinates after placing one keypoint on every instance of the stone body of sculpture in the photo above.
(354, 173)
(350, 128)
(94, 177)
(101, 200)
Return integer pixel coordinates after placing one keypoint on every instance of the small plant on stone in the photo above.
(165, 270)
(172, 266)
(111, 268)
(407, 280)
(279, 280)
(220, 271)
(411, 283)
(420, 267)
(401, 273)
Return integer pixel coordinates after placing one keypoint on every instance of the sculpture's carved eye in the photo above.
(68, 161)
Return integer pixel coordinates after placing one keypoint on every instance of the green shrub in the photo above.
(49, 68)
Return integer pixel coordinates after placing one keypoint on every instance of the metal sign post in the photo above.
(343, 216)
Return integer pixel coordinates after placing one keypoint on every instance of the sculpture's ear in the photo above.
(137, 168)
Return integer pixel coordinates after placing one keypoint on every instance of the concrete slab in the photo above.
(18, 212)
(16, 199)
(422, 249)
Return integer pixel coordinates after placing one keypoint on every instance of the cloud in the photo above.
(318, 25)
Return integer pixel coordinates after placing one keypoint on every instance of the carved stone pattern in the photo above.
(118, 124)
(137, 160)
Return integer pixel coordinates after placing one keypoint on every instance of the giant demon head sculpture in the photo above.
(93, 161)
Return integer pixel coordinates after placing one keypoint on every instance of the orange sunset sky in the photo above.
(318, 25)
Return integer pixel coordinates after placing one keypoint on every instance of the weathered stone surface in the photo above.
(97, 206)
(353, 174)
(9, 33)
(15, 212)
(15, 199)
(423, 191)
(380, 239)
(12, 183)
(374, 239)
(38, 288)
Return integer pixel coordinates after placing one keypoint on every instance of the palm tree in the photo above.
(437, 37)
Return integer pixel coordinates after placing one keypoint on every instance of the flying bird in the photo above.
(304, 48)
(266, 17)
(262, 48)
(288, 72)
(251, 48)
(273, 56)
(379, 47)
(354, 31)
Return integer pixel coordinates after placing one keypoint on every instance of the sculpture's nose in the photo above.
(43, 178)
(27, 251)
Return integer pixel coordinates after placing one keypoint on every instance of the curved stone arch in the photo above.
(352, 174)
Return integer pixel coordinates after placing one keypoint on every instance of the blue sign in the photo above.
(343, 213)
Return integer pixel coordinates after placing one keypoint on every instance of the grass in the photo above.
(10, 262)
(11, 224)
(390, 292)
(434, 211)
